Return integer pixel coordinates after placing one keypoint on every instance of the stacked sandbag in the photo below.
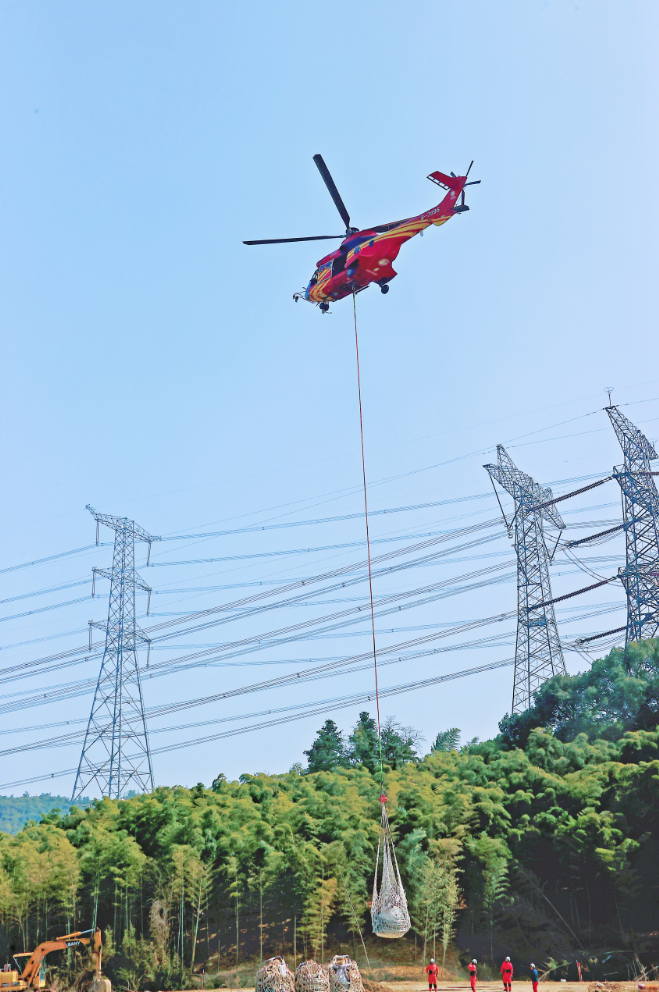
(344, 975)
(275, 976)
(389, 913)
(311, 977)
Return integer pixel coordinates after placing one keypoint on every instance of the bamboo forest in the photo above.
(541, 843)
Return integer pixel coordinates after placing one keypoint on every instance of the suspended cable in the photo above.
(596, 637)
(582, 565)
(577, 592)
(43, 592)
(64, 740)
(446, 587)
(156, 712)
(334, 573)
(594, 537)
(44, 561)
(294, 551)
(296, 584)
(256, 528)
(82, 687)
(329, 669)
(44, 609)
(576, 492)
(260, 642)
(246, 645)
(39, 640)
(345, 702)
(368, 541)
(353, 615)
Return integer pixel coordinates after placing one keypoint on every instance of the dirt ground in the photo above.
(525, 986)
(464, 986)
(459, 986)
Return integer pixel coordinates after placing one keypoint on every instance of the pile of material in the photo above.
(311, 977)
(344, 975)
(370, 986)
(275, 976)
(619, 987)
(389, 913)
(609, 986)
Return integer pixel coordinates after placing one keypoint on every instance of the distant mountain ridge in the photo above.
(15, 811)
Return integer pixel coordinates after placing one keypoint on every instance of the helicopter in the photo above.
(366, 256)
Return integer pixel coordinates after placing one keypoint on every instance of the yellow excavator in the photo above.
(32, 975)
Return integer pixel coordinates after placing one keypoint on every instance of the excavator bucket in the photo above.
(101, 985)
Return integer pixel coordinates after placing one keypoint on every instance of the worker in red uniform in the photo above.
(507, 975)
(472, 974)
(432, 971)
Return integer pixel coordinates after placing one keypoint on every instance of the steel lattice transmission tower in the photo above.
(538, 653)
(640, 514)
(115, 755)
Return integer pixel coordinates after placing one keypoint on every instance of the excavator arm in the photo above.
(30, 975)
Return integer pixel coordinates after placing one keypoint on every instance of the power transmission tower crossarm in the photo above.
(538, 652)
(115, 755)
(640, 514)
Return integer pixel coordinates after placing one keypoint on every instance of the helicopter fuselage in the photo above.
(367, 256)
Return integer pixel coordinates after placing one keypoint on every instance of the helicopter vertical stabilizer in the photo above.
(448, 182)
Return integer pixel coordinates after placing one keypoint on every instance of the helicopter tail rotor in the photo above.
(462, 206)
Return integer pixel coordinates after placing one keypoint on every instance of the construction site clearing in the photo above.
(392, 985)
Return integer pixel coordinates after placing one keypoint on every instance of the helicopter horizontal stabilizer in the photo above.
(446, 182)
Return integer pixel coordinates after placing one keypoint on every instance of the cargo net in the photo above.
(275, 976)
(389, 913)
(311, 977)
(344, 975)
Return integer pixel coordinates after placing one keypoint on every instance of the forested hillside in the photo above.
(15, 811)
(542, 844)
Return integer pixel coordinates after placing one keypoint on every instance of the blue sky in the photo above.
(157, 368)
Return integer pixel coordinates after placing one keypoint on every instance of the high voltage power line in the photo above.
(343, 702)
(426, 553)
(16, 671)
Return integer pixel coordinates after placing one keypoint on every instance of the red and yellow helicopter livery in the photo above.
(366, 256)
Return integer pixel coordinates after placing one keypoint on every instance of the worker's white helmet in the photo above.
(474, 961)
(432, 960)
(507, 959)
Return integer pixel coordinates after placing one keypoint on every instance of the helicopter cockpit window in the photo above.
(314, 279)
(339, 264)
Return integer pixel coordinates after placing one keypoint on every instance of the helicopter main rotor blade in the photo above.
(287, 241)
(333, 191)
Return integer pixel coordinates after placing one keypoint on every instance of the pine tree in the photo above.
(363, 747)
(328, 751)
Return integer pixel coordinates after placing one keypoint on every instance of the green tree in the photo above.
(447, 740)
(494, 857)
(572, 818)
(426, 909)
(328, 749)
(448, 898)
(399, 744)
(617, 693)
(363, 744)
(318, 910)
